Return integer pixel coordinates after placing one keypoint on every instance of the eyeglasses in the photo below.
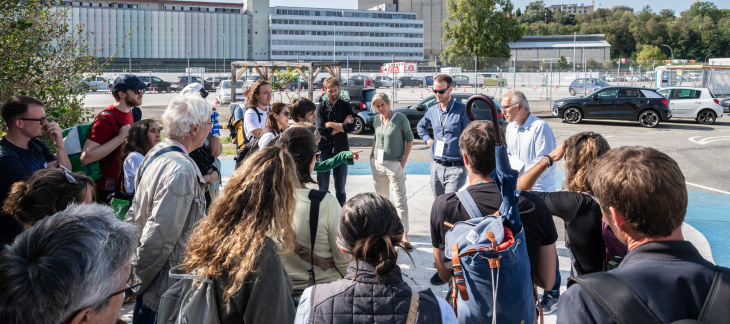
(508, 106)
(440, 91)
(68, 174)
(138, 91)
(286, 113)
(132, 287)
(41, 120)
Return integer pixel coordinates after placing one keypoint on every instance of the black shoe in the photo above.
(436, 280)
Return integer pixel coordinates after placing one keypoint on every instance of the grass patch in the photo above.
(229, 149)
(226, 140)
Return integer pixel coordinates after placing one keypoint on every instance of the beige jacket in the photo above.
(168, 202)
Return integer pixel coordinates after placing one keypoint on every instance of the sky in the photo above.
(656, 5)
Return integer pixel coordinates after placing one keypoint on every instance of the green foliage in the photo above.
(650, 52)
(591, 64)
(607, 65)
(536, 12)
(529, 66)
(479, 28)
(544, 66)
(281, 77)
(42, 56)
(562, 63)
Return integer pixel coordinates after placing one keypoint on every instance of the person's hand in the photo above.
(403, 164)
(124, 130)
(54, 133)
(213, 175)
(429, 142)
(356, 155)
(559, 152)
(349, 120)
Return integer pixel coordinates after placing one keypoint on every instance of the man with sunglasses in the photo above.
(79, 259)
(109, 130)
(21, 153)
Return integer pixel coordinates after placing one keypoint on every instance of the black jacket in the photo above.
(333, 144)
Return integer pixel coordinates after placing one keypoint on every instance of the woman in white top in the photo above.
(276, 123)
(142, 136)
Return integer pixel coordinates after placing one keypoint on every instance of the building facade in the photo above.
(572, 8)
(578, 48)
(314, 34)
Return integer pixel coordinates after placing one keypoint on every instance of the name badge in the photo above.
(439, 150)
(381, 153)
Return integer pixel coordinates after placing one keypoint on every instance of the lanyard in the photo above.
(382, 129)
(448, 111)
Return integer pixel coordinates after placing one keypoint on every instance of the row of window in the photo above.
(99, 4)
(341, 33)
(208, 9)
(343, 54)
(343, 13)
(343, 23)
(329, 43)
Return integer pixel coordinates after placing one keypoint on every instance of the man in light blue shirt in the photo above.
(448, 120)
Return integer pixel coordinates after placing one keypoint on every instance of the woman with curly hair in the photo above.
(45, 193)
(142, 136)
(234, 244)
(373, 289)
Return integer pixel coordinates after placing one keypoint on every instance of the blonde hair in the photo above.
(582, 149)
(379, 96)
(260, 200)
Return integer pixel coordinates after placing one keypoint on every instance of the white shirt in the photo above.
(265, 138)
(251, 120)
(529, 143)
(131, 164)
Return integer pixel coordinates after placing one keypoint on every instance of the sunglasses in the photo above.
(440, 91)
(68, 174)
(138, 91)
(286, 113)
(41, 120)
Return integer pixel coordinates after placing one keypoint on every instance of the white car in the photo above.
(223, 92)
(385, 82)
(697, 103)
(97, 83)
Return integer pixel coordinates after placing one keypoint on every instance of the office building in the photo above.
(572, 8)
(551, 48)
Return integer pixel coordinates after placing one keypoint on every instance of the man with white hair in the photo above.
(169, 200)
(71, 267)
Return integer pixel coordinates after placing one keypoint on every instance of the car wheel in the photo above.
(573, 115)
(572, 91)
(649, 118)
(706, 117)
(359, 125)
(420, 85)
(168, 89)
(293, 88)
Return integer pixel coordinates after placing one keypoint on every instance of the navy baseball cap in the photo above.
(128, 81)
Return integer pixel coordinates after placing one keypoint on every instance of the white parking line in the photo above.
(708, 188)
(708, 140)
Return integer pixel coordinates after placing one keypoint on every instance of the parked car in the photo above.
(415, 113)
(612, 78)
(385, 81)
(409, 81)
(460, 80)
(318, 84)
(96, 83)
(223, 92)
(697, 103)
(645, 105)
(362, 80)
(491, 79)
(583, 86)
(299, 83)
(725, 105)
(156, 83)
(360, 98)
(215, 81)
(182, 82)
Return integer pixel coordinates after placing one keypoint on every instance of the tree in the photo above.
(528, 66)
(518, 12)
(591, 64)
(649, 52)
(562, 63)
(544, 66)
(607, 65)
(481, 28)
(42, 56)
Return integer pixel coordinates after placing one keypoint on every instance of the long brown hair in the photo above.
(138, 139)
(260, 200)
(251, 100)
(581, 150)
(271, 122)
(300, 143)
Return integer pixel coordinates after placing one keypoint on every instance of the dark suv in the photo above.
(647, 106)
(409, 81)
(156, 83)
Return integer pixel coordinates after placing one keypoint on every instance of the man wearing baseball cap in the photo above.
(109, 130)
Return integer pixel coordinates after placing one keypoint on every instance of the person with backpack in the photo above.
(235, 245)
(315, 257)
(277, 121)
(235, 122)
(373, 289)
(477, 144)
(22, 154)
(663, 278)
(109, 130)
(257, 109)
(169, 200)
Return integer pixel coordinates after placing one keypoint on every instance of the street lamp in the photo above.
(359, 66)
(670, 50)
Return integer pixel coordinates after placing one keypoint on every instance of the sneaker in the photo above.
(436, 280)
(549, 303)
(407, 246)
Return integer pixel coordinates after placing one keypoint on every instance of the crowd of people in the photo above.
(278, 251)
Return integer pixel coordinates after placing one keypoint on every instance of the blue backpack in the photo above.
(489, 254)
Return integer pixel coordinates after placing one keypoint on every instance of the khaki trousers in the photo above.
(390, 174)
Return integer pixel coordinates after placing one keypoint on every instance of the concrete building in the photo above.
(258, 12)
(573, 8)
(432, 12)
(573, 47)
(313, 34)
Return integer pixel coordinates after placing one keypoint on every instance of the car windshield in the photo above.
(592, 93)
(227, 84)
(600, 82)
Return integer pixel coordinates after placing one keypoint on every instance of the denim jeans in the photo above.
(340, 174)
(143, 314)
(447, 179)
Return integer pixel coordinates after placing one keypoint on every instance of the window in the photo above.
(686, 94)
(608, 94)
(629, 93)
(666, 92)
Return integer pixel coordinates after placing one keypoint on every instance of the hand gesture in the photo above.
(349, 120)
(54, 133)
(356, 154)
(559, 152)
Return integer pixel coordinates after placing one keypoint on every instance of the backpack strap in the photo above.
(156, 155)
(459, 281)
(413, 309)
(179, 276)
(256, 110)
(107, 112)
(715, 308)
(315, 198)
(468, 202)
(616, 298)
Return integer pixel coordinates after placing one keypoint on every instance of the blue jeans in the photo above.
(340, 174)
(143, 314)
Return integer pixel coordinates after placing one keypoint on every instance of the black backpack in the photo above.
(252, 147)
(624, 305)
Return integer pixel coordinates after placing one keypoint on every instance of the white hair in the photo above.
(247, 86)
(183, 113)
(382, 96)
(518, 97)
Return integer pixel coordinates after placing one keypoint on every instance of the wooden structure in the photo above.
(267, 69)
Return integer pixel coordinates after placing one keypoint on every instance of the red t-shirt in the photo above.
(104, 128)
